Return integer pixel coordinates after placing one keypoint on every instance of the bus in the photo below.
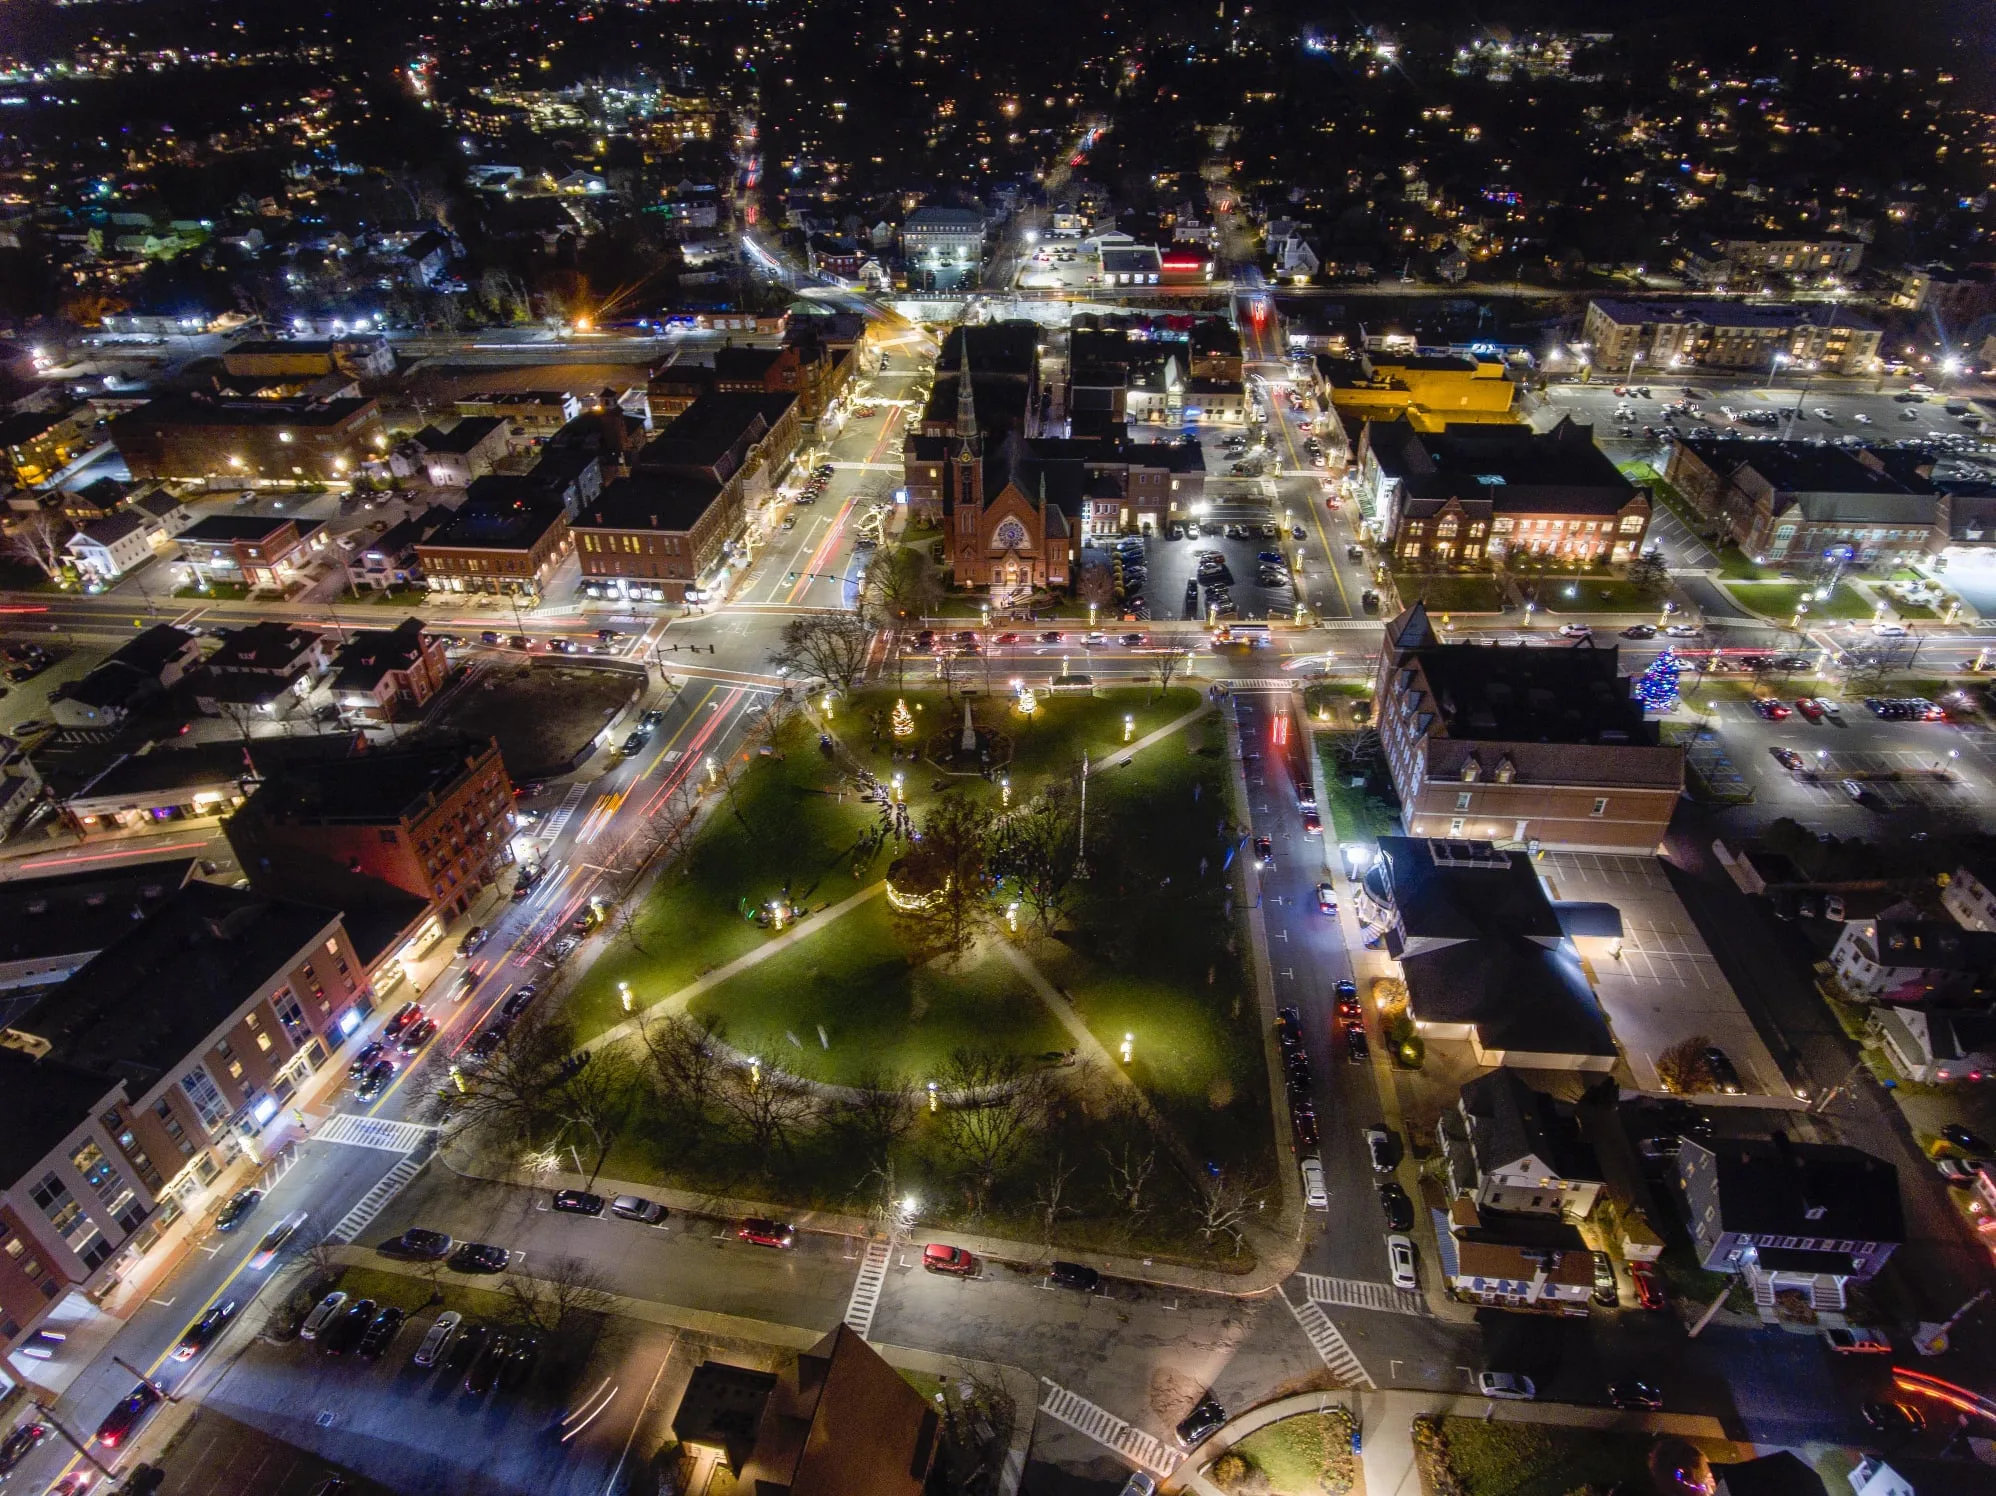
(1241, 636)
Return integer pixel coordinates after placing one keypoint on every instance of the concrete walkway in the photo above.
(675, 1002)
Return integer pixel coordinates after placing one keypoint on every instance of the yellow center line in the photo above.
(671, 742)
(1316, 502)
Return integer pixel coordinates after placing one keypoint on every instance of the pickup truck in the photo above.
(1856, 1340)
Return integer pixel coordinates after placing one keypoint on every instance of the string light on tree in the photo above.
(1656, 687)
(903, 721)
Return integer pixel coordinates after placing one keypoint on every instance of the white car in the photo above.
(1574, 631)
(1314, 1195)
(1889, 630)
(1505, 1386)
(1682, 630)
(1862, 419)
(1400, 1261)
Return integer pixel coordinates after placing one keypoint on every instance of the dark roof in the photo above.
(41, 1103)
(1933, 945)
(1511, 1121)
(1512, 468)
(43, 917)
(1520, 693)
(1778, 1187)
(461, 438)
(1480, 944)
(1783, 1473)
(1010, 347)
(1773, 315)
(650, 501)
(511, 515)
(369, 654)
(1801, 467)
(703, 434)
(230, 529)
(382, 786)
(113, 528)
(202, 410)
(269, 645)
(157, 647)
(144, 1004)
(746, 363)
(722, 1407)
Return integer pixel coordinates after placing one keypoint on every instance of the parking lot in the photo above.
(1171, 565)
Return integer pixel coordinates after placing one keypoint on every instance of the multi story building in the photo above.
(1470, 495)
(130, 1086)
(1648, 339)
(1511, 1148)
(433, 820)
(280, 441)
(656, 529)
(1526, 746)
(387, 675)
(1804, 1217)
(528, 413)
(105, 549)
(360, 357)
(507, 536)
(735, 445)
(1427, 391)
(1793, 502)
(453, 458)
(1745, 262)
(258, 551)
(942, 247)
(38, 444)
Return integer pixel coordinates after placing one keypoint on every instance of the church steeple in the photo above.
(966, 403)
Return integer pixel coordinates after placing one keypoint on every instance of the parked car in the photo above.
(421, 1243)
(762, 1232)
(379, 1332)
(484, 1370)
(1357, 1047)
(1400, 1262)
(119, 1423)
(438, 1338)
(344, 1333)
(17, 1445)
(1505, 1386)
(637, 1208)
(1315, 1197)
(1635, 1396)
(1074, 1275)
(1649, 1288)
(479, 1257)
(204, 1330)
(1206, 1417)
(1327, 899)
(1788, 758)
(1379, 1145)
(1962, 1138)
(518, 1367)
(322, 1315)
(1724, 1077)
(466, 1348)
(939, 1257)
(578, 1202)
(1399, 1210)
(1303, 1119)
(1856, 1340)
(239, 1205)
(1607, 1292)
(1806, 705)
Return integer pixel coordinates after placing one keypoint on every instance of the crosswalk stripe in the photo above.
(866, 1290)
(357, 1131)
(1329, 1343)
(375, 1201)
(1358, 1293)
(564, 812)
(1105, 1428)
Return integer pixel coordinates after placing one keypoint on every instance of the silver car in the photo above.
(432, 1348)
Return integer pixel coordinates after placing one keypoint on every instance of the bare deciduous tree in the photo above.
(1221, 1208)
(999, 1102)
(512, 1097)
(1171, 663)
(1048, 1200)
(901, 584)
(954, 848)
(878, 1113)
(1036, 849)
(684, 1065)
(1130, 1167)
(768, 1107)
(561, 1291)
(38, 539)
(831, 646)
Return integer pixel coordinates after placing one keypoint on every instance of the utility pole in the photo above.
(48, 1416)
(1081, 830)
(163, 1393)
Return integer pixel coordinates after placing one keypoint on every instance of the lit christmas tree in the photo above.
(1656, 687)
(903, 721)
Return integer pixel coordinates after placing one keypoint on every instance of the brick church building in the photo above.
(1003, 522)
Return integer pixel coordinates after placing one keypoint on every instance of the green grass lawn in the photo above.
(1914, 610)
(1735, 567)
(1308, 1455)
(785, 825)
(1587, 594)
(1778, 599)
(1356, 814)
(1533, 1459)
(878, 1013)
(1451, 594)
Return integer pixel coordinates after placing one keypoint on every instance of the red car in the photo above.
(938, 1258)
(407, 1014)
(1772, 710)
(1808, 708)
(766, 1233)
(1313, 824)
(1649, 1291)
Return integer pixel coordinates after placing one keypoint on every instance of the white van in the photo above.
(1314, 1196)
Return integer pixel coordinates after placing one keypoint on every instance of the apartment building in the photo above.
(507, 536)
(1650, 339)
(280, 441)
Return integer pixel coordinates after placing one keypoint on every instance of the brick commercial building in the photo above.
(1468, 495)
(127, 1089)
(508, 535)
(258, 551)
(1520, 745)
(653, 528)
(1655, 337)
(433, 820)
(387, 675)
(1790, 502)
(198, 436)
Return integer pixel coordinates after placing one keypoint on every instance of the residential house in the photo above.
(507, 536)
(1903, 957)
(1531, 747)
(138, 673)
(38, 444)
(387, 675)
(262, 673)
(20, 785)
(164, 510)
(391, 559)
(1511, 1148)
(1936, 1046)
(105, 549)
(1787, 1216)
(1970, 896)
(1513, 1262)
(468, 450)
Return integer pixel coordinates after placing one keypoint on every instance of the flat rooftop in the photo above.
(377, 787)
